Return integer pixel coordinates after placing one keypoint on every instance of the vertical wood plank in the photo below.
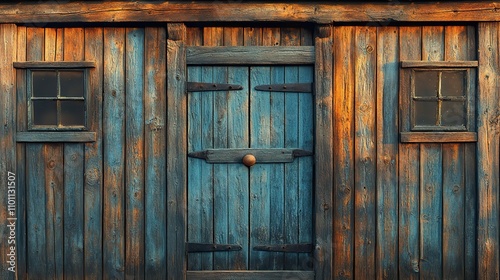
(409, 166)
(21, 156)
(306, 164)
(36, 205)
(176, 151)
(134, 138)
(114, 153)
(238, 137)
(8, 47)
(454, 175)
(93, 186)
(74, 42)
(323, 159)
(365, 152)
(488, 182)
(343, 168)
(387, 152)
(154, 153)
(431, 189)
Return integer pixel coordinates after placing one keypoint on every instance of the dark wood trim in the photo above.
(275, 155)
(45, 137)
(438, 64)
(135, 11)
(238, 274)
(250, 55)
(54, 64)
(437, 137)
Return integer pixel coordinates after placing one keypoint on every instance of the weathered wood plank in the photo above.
(21, 157)
(114, 154)
(53, 64)
(176, 155)
(436, 137)
(250, 55)
(270, 275)
(155, 193)
(488, 181)
(93, 188)
(365, 152)
(238, 137)
(431, 187)
(134, 139)
(125, 11)
(387, 152)
(343, 145)
(410, 39)
(56, 137)
(441, 64)
(323, 160)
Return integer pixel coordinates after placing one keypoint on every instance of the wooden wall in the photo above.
(405, 211)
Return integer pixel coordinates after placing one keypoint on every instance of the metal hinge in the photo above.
(292, 87)
(195, 86)
(276, 155)
(287, 248)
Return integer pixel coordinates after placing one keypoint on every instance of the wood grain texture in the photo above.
(270, 275)
(323, 208)
(93, 186)
(343, 145)
(134, 150)
(176, 156)
(56, 137)
(54, 64)
(437, 137)
(410, 39)
(387, 152)
(365, 152)
(250, 55)
(114, 154)
(488, 182)
(155, 248)
(8, 48)
(124, 11)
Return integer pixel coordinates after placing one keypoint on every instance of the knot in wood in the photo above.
(369, 49)
(51, 164)
(92, 176)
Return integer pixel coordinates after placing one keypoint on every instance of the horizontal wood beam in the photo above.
(176, 11)
(250, 55)
(45, 137)
(438, 137)
(440, 64)
(249, 274)
(54, 64)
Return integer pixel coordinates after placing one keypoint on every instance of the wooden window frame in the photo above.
(409, 131)
(53, 133)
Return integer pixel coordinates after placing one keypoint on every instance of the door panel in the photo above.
(266, 204)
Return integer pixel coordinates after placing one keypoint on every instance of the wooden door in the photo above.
(258, 212)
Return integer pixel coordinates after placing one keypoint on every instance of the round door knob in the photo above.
(249, 160)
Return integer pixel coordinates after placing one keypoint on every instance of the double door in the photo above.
(250, 168)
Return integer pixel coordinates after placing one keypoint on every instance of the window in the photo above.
(438, 101)
(56, 94)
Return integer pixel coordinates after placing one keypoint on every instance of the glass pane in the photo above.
(71, 83)
(426, 83)
(44, 112)
(425, 112)
(453, 113)
(453, 83)
(72, 113)
(44, 83)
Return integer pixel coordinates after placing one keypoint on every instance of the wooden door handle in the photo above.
(249, 160)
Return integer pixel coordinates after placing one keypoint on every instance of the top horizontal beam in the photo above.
(174, 11)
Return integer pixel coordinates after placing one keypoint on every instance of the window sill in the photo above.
(74, 137)
(437, 137)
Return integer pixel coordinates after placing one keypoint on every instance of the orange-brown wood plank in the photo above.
(343, 145)
(409, 165)
(114, 154)
(387, 152)
(365, 152)
(93, 185)
(324, 154)
(155, 161)
(488, 164)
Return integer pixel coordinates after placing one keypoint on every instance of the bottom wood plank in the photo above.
(250, 274)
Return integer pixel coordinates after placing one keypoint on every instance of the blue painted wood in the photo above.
(134, 150)
(93, 185)
(155, 162)
(387, 150)
(410, 39)
(260, 189)
(114, 154)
